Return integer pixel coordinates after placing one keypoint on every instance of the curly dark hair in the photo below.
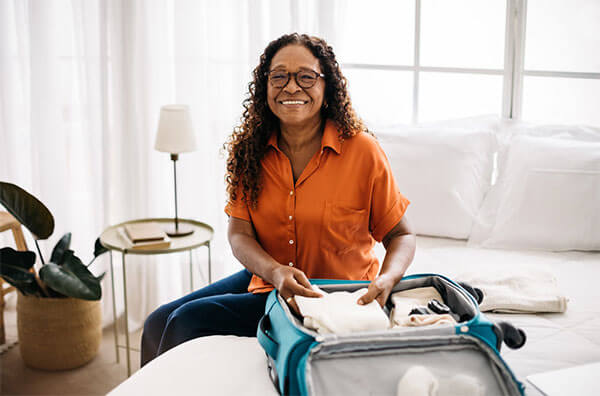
(247, 144)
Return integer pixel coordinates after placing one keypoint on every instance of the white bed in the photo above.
(228, 365)
(546, 196)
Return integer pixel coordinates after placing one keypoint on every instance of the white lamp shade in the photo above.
(175, 132)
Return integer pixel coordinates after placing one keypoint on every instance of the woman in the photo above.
(310, 191)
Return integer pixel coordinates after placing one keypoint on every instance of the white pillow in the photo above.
(444, 172)
(547, 197)
(508, 129)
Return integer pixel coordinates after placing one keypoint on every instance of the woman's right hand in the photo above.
(291, 282)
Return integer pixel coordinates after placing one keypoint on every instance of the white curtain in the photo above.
(81, 85)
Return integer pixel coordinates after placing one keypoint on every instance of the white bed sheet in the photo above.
(228, 365)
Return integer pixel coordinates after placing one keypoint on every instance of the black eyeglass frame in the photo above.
(295, 74)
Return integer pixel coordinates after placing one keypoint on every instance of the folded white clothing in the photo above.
(417, 381)
(339, 313)
(528, 290)
(404, 301)
(424, 320)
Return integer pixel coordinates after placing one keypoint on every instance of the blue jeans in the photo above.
(222, 308)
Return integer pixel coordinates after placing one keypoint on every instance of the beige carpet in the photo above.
(97, 377)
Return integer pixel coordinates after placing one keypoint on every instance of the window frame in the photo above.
(514, 59)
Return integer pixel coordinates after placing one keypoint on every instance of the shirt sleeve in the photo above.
(388, 205)
(238, 208)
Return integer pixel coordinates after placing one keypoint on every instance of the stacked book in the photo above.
(144, 236)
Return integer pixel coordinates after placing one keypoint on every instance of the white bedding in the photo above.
(228, 365)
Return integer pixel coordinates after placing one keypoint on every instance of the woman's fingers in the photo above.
(293, 282)
(379, 289)
(299, 290)
(306, 288)
(292, 303)
(372, 292)
(381, 299)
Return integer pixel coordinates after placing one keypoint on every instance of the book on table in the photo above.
(144, 238)
(144, 232)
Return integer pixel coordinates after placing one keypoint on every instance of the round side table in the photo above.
(112, 239)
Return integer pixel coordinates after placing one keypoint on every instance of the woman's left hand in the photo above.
(379, 289)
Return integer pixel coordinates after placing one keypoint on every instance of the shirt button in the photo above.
(291, 193)
(291, 264)
(291, 241)
(291, 217)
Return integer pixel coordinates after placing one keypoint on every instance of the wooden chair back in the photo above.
(8, 222)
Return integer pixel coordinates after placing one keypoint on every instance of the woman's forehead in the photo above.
(293, 57)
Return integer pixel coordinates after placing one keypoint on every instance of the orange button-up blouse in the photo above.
(325, 224)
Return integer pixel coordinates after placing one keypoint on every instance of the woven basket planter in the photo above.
(58, 333)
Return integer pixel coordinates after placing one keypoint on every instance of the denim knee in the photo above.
(187, 313)
(192, 318)
(156, 321)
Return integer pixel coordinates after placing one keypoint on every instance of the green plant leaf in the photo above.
(23, 260)
(99, 278)
(74, 264)
(61, 247)
(27, 209)
(25, 284)
(14, 268)
(98, 248)
(72, 278)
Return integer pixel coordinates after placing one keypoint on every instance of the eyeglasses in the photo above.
(304, 78)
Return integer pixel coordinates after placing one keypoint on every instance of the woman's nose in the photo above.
(292, 85)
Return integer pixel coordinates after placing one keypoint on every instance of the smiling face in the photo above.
(293, 105)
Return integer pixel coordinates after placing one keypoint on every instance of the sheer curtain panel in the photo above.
(82, 83)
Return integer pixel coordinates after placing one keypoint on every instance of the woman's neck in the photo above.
(296, 138)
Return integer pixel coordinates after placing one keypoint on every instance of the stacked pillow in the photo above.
(445, 172)
(546, 196)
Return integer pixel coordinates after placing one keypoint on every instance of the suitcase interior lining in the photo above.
(379, 368)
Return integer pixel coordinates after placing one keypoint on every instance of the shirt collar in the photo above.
(330, 138)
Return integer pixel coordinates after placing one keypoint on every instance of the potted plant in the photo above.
(59, 316)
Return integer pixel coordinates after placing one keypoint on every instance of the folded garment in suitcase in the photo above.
(303, 362)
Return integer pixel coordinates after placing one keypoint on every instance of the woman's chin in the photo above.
(297, 119)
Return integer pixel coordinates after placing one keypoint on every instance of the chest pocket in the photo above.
(344, 229)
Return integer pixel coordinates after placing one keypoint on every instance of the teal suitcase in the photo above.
(303, 362)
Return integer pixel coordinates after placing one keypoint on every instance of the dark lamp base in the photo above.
(181, 231)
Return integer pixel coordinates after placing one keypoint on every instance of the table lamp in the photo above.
(175, 135)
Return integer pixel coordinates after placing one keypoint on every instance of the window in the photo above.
(423, 60)
(426, 60)
(561, 75)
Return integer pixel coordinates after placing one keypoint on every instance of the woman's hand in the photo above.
(379, 289)
(400, 245)
(290, 282)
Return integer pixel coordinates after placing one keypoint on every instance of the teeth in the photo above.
(292, 102)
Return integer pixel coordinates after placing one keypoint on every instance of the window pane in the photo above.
(452, 95)
(375, 32)
(463, 33)
(381, 97)
(563, 35)
(573, 100)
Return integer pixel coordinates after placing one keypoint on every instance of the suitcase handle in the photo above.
(266, 341)
(513, 337)
(475, 292)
